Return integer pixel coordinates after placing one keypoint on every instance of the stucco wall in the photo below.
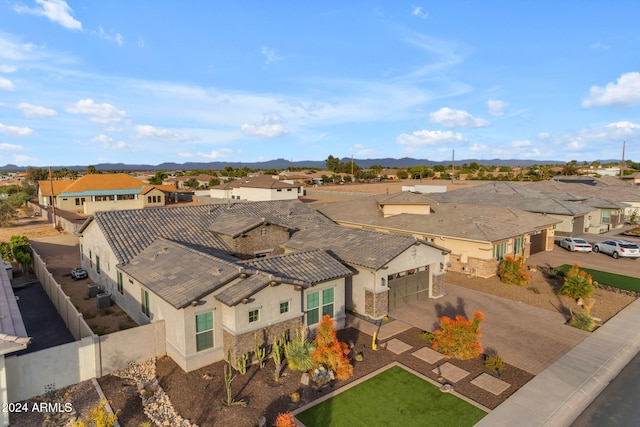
(391, 209)
(263, 194)
(111, 205)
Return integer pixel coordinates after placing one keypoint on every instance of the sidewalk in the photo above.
(561, 392)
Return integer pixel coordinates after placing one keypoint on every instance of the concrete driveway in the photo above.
(527, 337)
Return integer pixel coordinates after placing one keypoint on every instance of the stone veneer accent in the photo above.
(254, 240)
(376, 306)
(245, 343)
(437, 286)
(475, 266)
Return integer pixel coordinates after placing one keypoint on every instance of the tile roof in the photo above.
(603, 189)
(179, 274)
(129, 232)
(517, 196)
(369, 249)
(463, 221)
(260, 181)
(405, 197)
(237, 292)
(306, 268)
(58, 186)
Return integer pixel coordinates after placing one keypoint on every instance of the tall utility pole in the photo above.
(624, 143)
(53, 203)
(453, 164)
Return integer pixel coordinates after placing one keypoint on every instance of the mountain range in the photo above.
(311, 164)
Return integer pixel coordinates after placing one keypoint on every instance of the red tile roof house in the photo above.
(101, 192)
(218, 274)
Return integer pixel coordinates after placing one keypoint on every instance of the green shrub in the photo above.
(534, 290)
(298, 353)
(577, 283)
(511, 271)
(426, 336)
(582, 321)
(494, 363)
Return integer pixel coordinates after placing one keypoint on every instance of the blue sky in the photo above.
(147, 82)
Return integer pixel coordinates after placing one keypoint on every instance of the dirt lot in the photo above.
(32, 227)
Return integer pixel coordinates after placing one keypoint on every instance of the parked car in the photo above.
(79, 273)
(575, 245)
(618, 248)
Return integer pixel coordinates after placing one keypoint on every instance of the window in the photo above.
(606, 216)
(78, 201)
(284, 307)
(517, 246)
(97, 264)
(279, 190)
(317, 303)
(120, 284)
(499, 250)
(254, 316)
(204, 331)
(90, 259)
(144, 297)
(148, 199)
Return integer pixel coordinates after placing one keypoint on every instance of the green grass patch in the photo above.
(609, 279)
(394, 397)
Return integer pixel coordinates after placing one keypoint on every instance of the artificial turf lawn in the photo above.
(610, 279)
(394, 397)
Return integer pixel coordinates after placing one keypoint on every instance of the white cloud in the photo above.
(56, 10)
(429, 137)
(624, 127)
(264, 131)
(544, 135)
(111, 35)
(476, 148)
(625, 91)
(269, 55)
(271, 127)
(576, 144)
(10, 147)
(521, 143)
(20, 158)
(15, 131)
(362, 150)
(30, 110)
(6, 84)
(185, 155)
(99, 113)
(7, 68)
(146, 131)
(417, 11)
(450, 118)
(497, 107)
(216, 154)
(108, 143)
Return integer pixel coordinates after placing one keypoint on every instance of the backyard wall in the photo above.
(71, 317)
(36, 373)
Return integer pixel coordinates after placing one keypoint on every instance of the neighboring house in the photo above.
(255, 189)
(578, 214)
(611, 189)
(477, 236)
(179, 182)
(101, 192)
(221, 273)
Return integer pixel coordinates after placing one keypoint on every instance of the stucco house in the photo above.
(603, 189)
(257, 188)
(477, 236)
(218, 274)
(578, 214)
(101, 192)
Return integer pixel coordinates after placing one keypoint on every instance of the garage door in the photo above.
(409, 288)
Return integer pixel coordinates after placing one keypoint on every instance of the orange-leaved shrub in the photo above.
(511, 271)
(331, 353)
(285, 420)
(577, 283)
(459, 338)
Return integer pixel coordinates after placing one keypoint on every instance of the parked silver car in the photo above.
(574, 244)
(618, 248)
(79, 273)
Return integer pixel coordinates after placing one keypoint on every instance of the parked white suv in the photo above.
(618, 248)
